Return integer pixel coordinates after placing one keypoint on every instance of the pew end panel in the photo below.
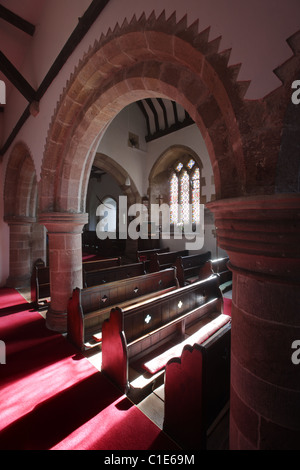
(40, 285)
(220, 267)
(75, 332)
(183, 398)
(114, 362)
(197, 390)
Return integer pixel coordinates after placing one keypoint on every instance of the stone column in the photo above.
(65, 262)
(262, 238)
(19, 251)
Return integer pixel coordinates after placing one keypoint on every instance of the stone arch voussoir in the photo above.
(145, 57)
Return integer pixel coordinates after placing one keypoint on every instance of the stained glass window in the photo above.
(184, 196)
(196, 195)
(174, 199)
(185, 191)
(191, 163)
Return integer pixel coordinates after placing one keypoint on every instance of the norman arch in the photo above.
(138, 60)
(20, 210)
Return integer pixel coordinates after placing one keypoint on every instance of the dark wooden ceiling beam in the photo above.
(145, 114)
(162, 105)
(17, 21)
(154, 112)
(84, 24)
(175, 112)
(173, 128)
(16, 78)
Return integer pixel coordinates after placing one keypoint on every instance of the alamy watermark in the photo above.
(296, 94)
(133, 222)
(2, 353)
(2, 92)
(296, 354)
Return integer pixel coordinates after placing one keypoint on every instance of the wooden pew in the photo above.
(220, 267)
(114, 273)
(165, 260)
(146, 255)
(89, 307)
(98, 264)
(196, 392)
(193, 268)
(137, 339)
(40, 278)
(40, 285)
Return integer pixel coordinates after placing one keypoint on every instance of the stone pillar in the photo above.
(19, 251)
(65, 262)
(262, 238)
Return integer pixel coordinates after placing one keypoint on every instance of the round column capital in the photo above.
(260, 233)
(63, 222)
(19, 220)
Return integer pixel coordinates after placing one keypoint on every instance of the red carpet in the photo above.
(53, 398)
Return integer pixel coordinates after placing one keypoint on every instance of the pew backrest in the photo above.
(193, 267)
(40, 278)
(90, 306)
(165, 260)
(146, 255)
(95, 265)
(114, 273)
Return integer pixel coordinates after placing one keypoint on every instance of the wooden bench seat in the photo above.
(196, 390)
(132, 334)
(89, 307)
(192, 268)
(202, 334)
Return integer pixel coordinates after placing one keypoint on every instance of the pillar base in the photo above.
(56, 321)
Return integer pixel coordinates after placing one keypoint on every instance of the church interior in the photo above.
(150, 225)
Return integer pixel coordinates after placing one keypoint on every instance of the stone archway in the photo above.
(158, 57)
(20, 210)
(143, 58)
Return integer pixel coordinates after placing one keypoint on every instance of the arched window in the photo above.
(109, 215)
(185, 193)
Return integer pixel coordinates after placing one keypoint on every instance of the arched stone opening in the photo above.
(138, 60)
(27, 237)
(126, 187)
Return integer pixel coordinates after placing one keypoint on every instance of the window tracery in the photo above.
(185, 193)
